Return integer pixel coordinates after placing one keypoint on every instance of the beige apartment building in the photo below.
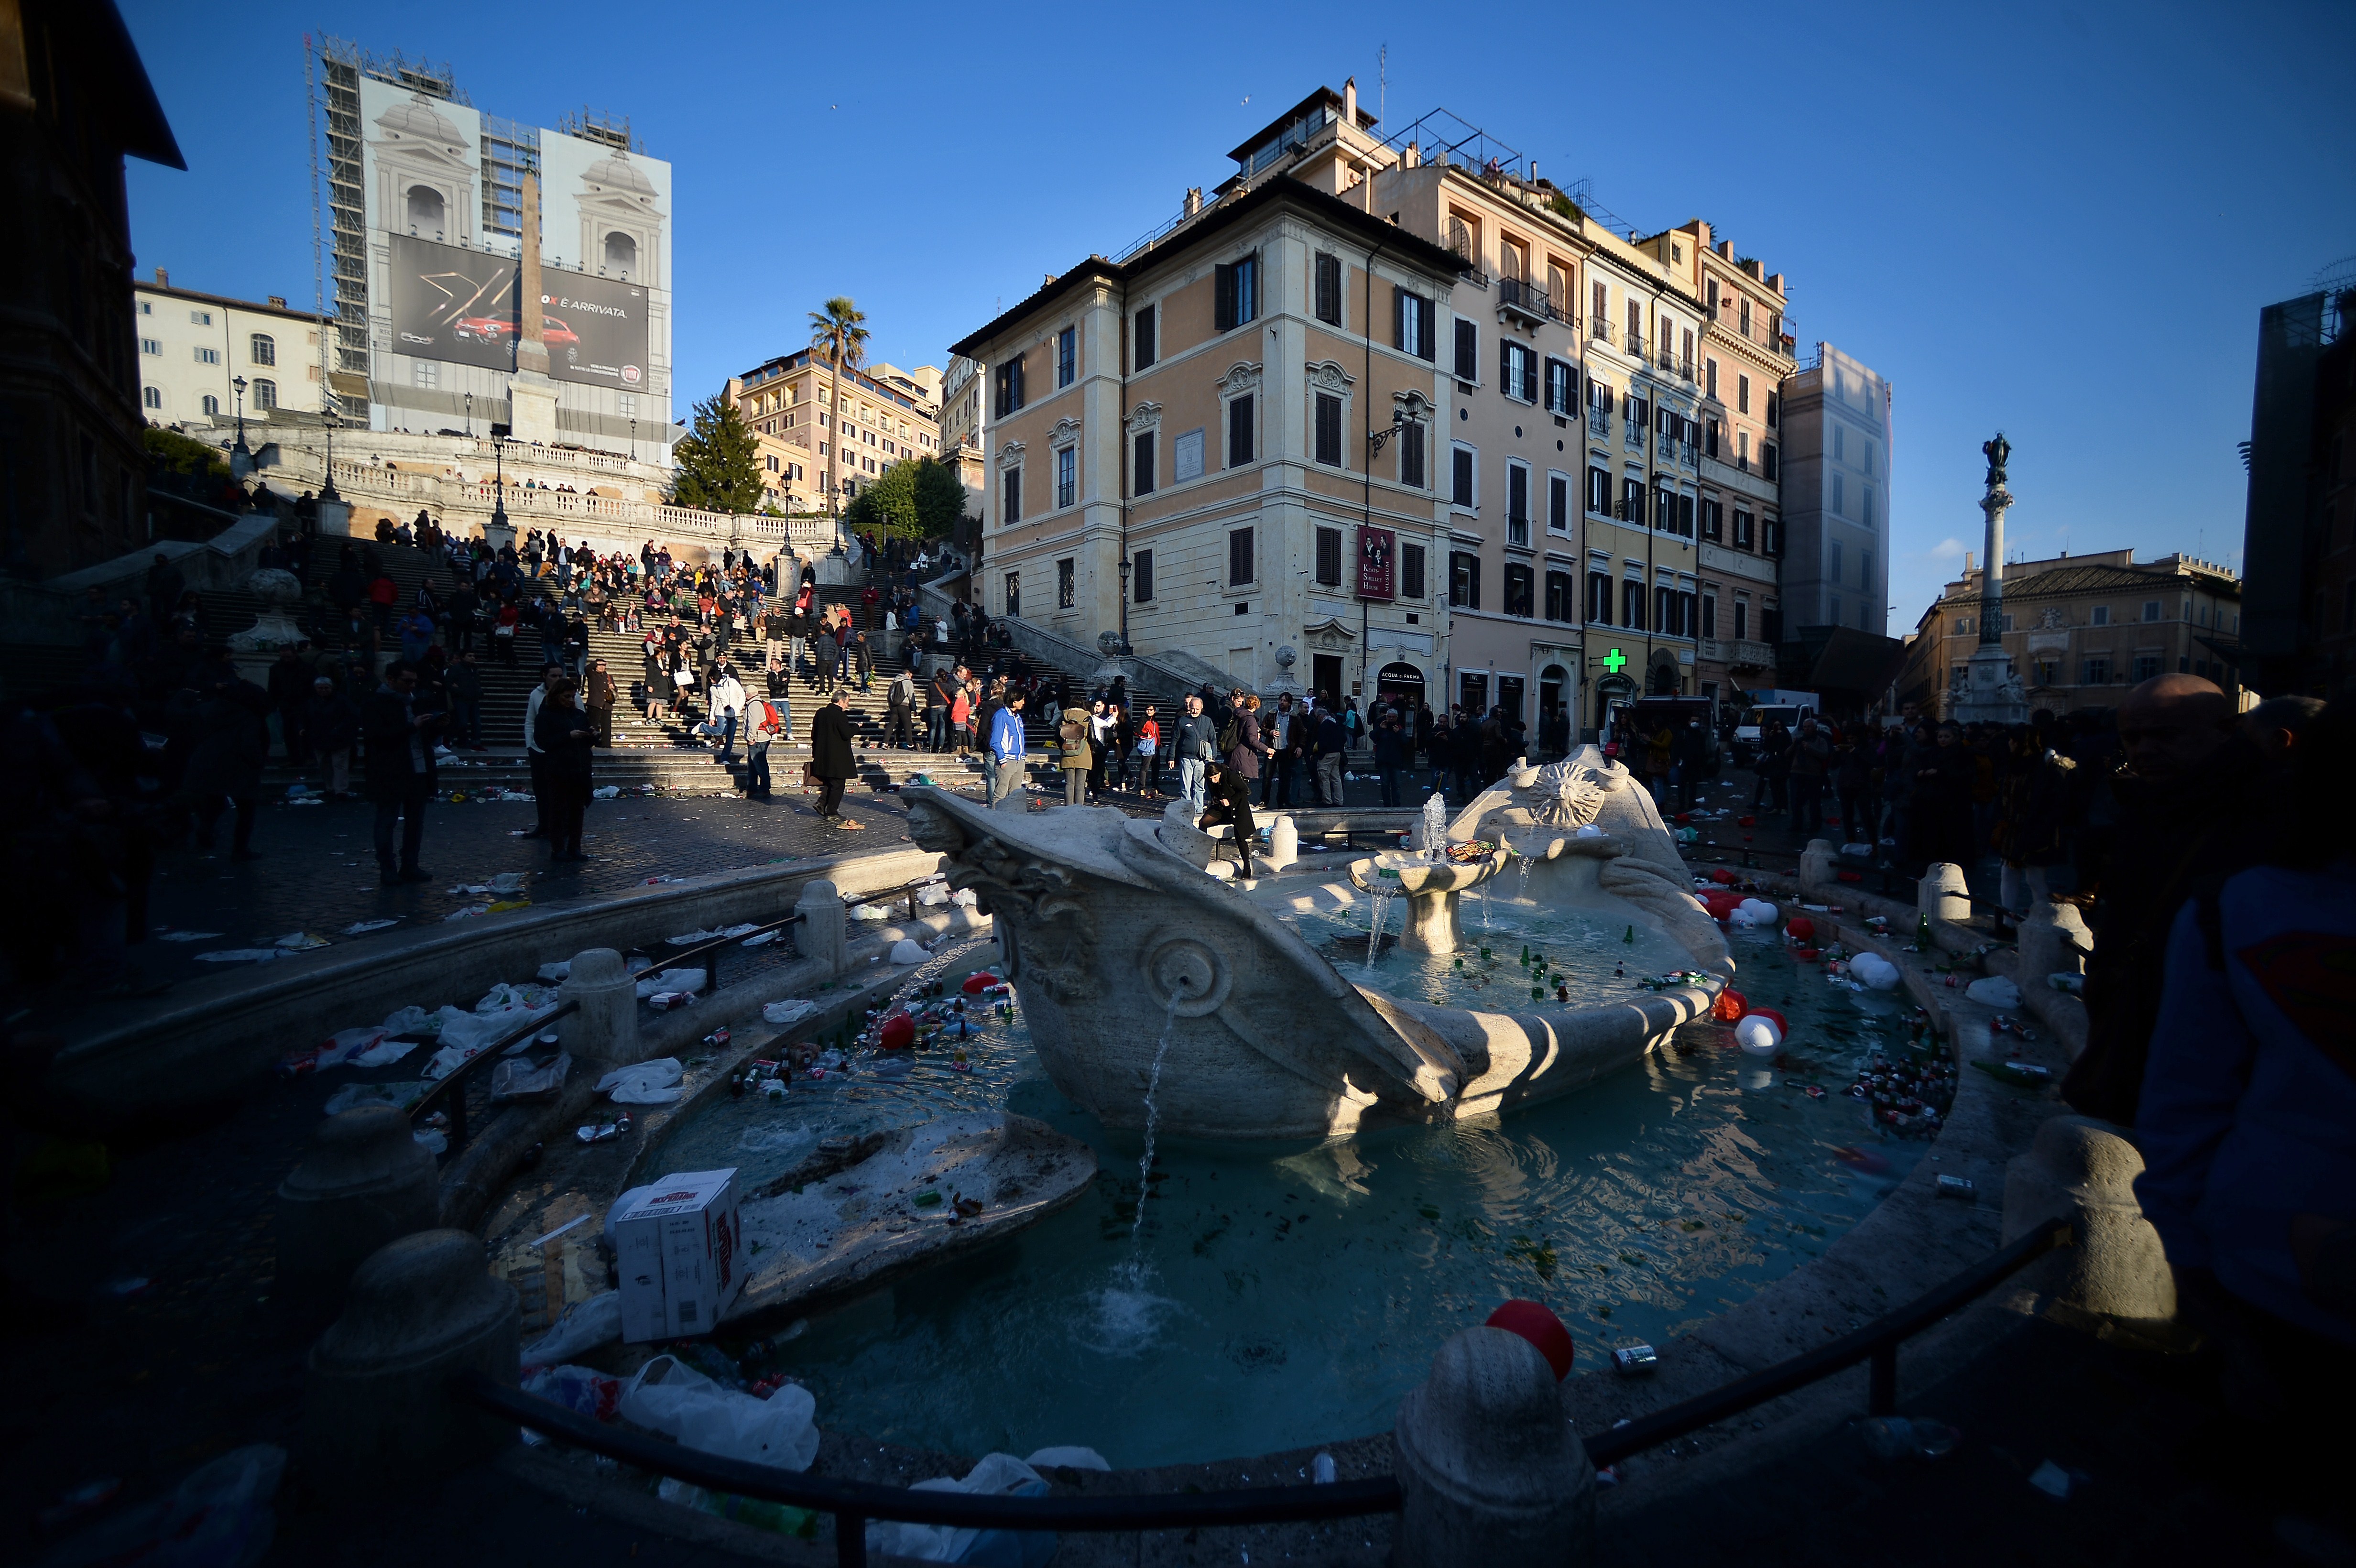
(961, 426)
(886, 414)
(1746, 356)
(1227, 444)
(2082, 629)
(194, 346)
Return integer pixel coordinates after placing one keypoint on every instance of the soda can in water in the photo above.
(1635, 1361)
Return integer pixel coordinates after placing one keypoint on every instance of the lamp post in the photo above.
(634, 440)
(470, 416)
(240, 456)
(1124, 603)
(330, 407)
(499, 480)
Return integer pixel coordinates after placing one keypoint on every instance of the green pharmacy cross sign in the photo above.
(1615, 661)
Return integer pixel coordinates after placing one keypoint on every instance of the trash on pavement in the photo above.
(646, 1083)
(239, 955)
(586, 1324)
(577, 1388)
(679, 1251)
(671, 1396)
(691, 938)
(999, 1475)
(606, 792)
(401, 1096)
(432, 1140)
(187, 936)
(468, 913)
(1995, 991)
(298, 942)
(220, 1515)
(764, 938)
(788, 1012)
(783, 1517)
(560, 970)
(869, 912)
(671, 980)
(363, 927)
(519, 1079)
(906, 952)
(1907, 1437)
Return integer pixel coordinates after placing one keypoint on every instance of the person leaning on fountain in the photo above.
(1230, 802)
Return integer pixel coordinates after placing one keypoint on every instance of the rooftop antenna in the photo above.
(1382, 83)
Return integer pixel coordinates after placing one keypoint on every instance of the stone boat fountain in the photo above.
(1141, 975)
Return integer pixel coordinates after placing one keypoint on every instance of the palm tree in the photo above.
(839, 336)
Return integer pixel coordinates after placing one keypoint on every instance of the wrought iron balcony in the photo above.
(1526, 298)
(1599, 423)
(1600, 329)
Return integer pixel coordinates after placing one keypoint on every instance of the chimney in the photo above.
(162, 279)
(279, 301)
(1194, 200)
(1350, 104)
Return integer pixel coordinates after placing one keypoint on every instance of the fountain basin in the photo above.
(1117, 942)
(1431, 888)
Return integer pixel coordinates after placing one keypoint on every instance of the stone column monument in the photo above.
(1991, 692)
(531, 394)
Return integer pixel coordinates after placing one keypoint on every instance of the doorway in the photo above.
(1325, 675)
(1509, 697)
(1473, 693)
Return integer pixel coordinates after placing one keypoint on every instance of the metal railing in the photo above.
(710, 950)
(1531, 299)
(449, 1093)
(853, 1503)
(1600, 329)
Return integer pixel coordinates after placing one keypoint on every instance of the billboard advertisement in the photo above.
(1377, 558)
(594, 330)
(452, 304)
(421, 165)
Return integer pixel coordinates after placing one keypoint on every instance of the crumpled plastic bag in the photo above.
(646, 1083)
(557, 971)
(580, 1388)
(400, 1096)
(906, 952)
(668, 1395)
(412, 1020)
(385, 1052)
(870, 912)
(586, 1324)
(1000, 1475)
(1995, 991)
(937, 893)
(345, 1044)
(670, 980)
(220, 1517)
(788, 1012)
(1875, 970)
(518, 1079)
(690, 939)
(606, 792)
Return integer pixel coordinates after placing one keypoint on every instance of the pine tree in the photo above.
(719, 461)
(940, 498)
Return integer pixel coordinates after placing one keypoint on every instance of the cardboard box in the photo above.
(679, 1250)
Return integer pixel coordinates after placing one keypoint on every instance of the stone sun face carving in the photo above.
(1569, 795)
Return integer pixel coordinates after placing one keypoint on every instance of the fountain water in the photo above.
(1435, 828)
(1379, 905)
(1153, 1112)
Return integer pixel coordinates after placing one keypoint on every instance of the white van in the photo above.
(1757, 707)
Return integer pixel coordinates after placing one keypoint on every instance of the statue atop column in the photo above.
(1995, 451)
(1991, 691)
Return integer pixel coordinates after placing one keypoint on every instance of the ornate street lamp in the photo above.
(240, 456)
(470, 416)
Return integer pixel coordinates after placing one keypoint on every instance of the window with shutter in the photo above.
(1518, 504)
(1240, 431)
(1517, 590)
(1558, 503)
(1709, 616)
(1141, 469)
(1599, 491)
(1462, 493)
(1632, 606)
(1329, 289)
(1067, 356)
(1467, 351)
(1141, 577)
(1329, 557)
(1146, 348)
(1464, 579)
(1411, 451)
(1010, 505)
(1558, 592)
(1223, 297)
(1239, 557)
(1412, 571)
(1329, 429)
(1686, 515)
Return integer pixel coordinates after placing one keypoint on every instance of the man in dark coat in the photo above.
(225, 769)
(398, 733)
(290, 694)
(2191, 813)
(831, 757)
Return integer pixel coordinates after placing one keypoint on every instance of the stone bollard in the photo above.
(378, 1413)
(1492, 1474)
(606, 1027)
(365, 1182)
(1816, 863)
(2083, 1170)
(2054, 940)
(1283, 843)
(825, 931)
(1943, 894)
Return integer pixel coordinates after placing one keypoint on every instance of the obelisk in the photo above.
(532, 395)
(1991, 693)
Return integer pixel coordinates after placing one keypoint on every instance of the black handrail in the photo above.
(1877, 1341)
(453, 1087)
(853, 1503)
(711, 967)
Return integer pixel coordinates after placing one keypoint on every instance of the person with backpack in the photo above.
(900, 710)
(1076, 757)
(769, 719)
(1148, 752)
(1332, 742)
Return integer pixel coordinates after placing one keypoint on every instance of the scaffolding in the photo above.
(597, 125)
(510, 151)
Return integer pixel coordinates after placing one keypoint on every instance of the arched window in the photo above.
(152, 396)
(1395, 681)
(621, 254)
(211, 404)
(265, 395)
(263, 348)
(425, 209)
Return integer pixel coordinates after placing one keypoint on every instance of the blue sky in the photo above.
(2059, 218)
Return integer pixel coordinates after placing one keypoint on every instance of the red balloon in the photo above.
(977, 983)
(1731, 1006)
(1799, 928)
(1721, 875)
(1780, 1027)
(1541, 1327)
(1683, 817)
(898, 1033)
(1749, 821)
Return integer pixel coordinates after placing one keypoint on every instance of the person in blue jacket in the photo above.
(1006, 748)
(2247, 1119)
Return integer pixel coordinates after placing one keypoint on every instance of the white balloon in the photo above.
(1758, 1036)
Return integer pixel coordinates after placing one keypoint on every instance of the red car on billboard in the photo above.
(553, 331)
(488, 328)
